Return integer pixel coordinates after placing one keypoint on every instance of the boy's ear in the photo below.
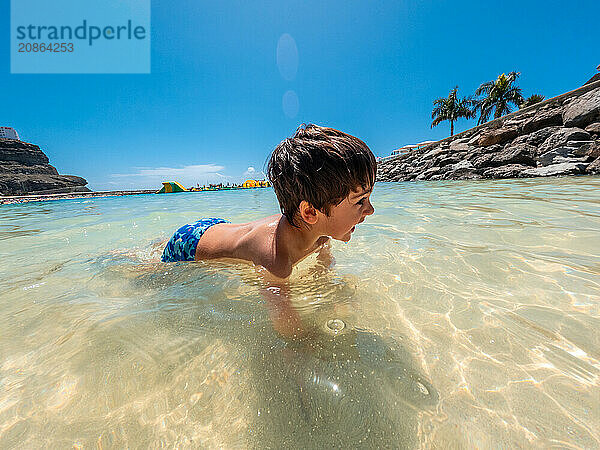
(308, 212)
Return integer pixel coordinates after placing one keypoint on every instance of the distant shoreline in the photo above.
(8, 200)
(12, 199)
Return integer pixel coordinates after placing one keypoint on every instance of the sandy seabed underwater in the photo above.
(460, 315)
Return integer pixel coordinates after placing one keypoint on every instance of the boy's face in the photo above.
(351, 211)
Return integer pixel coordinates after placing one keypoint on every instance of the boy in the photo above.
(323, 179)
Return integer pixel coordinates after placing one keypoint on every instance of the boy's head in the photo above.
(321, 166)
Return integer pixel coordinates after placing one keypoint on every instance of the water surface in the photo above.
(460, 315)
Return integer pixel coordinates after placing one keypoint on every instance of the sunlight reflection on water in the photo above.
(461, 314)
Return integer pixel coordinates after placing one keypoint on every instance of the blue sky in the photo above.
(213, 105)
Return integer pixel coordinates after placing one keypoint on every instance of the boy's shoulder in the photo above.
(248, 241)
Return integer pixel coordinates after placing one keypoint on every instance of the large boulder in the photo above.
(460, 146)
(474, 139)
(594, 167)
(447, 160)
(484, 161)
(480, 151)
(542, 119)
(499, 136)
(518, 120)
(463, 170)
(583, 110)
(559, 155)
(556, 169)
(428, 173)
(523, 154)
(461, 174)
(593, 128)
(435, 152)
(562, 137)
(508, 171)
(589, 149)
(537, 137)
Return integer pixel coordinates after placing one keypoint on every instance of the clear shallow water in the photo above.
(461, 314)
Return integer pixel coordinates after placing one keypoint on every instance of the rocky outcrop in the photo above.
(25, 169)
(560, 136)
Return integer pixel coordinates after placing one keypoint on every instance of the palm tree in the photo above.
(532, 100)
(499, 94)
(451, 108)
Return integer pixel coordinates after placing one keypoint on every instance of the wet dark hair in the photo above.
(320, 165)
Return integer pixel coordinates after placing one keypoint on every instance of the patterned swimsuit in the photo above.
(182, 246)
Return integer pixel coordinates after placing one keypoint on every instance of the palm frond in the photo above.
(512, 76)
(498, 95)
(437, 111)
(437, 121)
(452, 108)
(532, 100)
(484, 88)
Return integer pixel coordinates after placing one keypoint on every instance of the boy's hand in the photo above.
(276, 292)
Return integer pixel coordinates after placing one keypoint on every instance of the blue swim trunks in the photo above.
(182, 246)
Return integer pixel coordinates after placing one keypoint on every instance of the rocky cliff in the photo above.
(560, 136)
(25, 169)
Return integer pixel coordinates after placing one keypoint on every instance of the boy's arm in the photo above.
(276, 292)
(285, 318)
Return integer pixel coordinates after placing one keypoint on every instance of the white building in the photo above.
(425, 144)
(8, 133)
(408, 148)
(403, 150)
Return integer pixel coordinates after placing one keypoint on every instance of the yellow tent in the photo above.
(250, 184)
